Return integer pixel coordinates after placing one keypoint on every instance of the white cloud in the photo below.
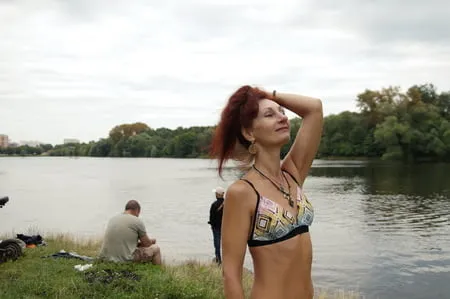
(78, 68)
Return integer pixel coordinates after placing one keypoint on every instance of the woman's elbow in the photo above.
(231, 278)
(232, 286)
(317, 106)
(230, 275)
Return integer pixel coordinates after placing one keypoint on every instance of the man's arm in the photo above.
(211, 215)
(145, 241)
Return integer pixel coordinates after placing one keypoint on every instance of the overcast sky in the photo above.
(77, 68)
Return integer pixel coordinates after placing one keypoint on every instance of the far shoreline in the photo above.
(331, 158)
(328, 158)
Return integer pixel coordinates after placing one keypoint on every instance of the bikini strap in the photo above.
(291, 176)
(256, 208)
(253, 187)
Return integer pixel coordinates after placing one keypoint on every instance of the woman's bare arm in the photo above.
(236, 223)
(304, 148)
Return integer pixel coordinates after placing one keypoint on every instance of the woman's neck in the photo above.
(268, 162)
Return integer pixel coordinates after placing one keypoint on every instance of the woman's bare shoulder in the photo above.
(241, 193)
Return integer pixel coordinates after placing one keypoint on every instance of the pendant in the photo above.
(288, 198)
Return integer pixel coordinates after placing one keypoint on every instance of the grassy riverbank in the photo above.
(33, 276)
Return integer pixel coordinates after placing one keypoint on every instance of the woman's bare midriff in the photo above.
(283, 270)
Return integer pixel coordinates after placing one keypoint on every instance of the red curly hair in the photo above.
(241, 109)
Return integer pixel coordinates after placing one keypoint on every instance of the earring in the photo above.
(252, 148)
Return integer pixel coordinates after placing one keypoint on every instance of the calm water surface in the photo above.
(380, 229)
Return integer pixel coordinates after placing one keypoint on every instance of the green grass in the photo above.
(32, 276)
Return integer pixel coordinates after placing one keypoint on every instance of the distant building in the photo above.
(71, 140)
(4, 141)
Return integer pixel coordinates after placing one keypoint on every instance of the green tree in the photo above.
(395, 137)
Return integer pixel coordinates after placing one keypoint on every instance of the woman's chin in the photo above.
(282, 141)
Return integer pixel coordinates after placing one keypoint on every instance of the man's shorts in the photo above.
(145, 254)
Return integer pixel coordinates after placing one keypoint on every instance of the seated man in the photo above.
(126, 238)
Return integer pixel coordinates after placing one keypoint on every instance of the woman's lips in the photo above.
(282, 129)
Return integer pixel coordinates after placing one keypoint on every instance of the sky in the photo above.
(77, 68)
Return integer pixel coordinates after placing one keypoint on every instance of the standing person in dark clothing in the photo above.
(215, 220)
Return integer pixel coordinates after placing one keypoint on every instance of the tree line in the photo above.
(391, 125)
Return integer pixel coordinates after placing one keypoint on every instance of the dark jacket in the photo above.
(215, 214)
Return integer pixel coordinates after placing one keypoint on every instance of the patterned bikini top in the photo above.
(272, 223)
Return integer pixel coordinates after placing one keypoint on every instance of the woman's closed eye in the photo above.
(270, 113)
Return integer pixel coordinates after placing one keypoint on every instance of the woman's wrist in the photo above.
(272, 95)
(277, 97)
(296, 103)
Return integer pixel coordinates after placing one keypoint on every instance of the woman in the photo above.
(267, 209)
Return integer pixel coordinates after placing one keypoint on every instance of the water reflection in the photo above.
(397, 196)
(402, 212)
(391, 178)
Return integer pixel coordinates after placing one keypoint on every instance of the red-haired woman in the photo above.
(267, 209)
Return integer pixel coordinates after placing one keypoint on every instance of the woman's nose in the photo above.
(283, 117)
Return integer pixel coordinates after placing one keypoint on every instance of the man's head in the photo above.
(219, 192)
(133, 207)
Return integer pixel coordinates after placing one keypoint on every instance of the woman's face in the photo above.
(271, 126)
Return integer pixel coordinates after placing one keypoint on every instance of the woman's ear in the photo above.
(248, 134)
